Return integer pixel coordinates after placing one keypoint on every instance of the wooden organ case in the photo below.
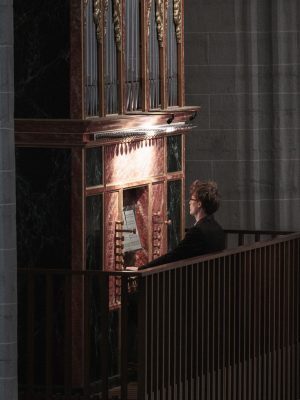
(104, 188)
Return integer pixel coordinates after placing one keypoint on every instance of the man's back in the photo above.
(206, 236)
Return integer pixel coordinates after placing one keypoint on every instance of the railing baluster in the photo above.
(179, 338)
(281, 325)
(269, 354)
(124, 337)
(189, 338)
(161, 350)
(157, 337)
(169, 316)
(241, 239)
(208, 336)
(87, 310)
(201, 354)
(159, 346)
(218, 330)
(151, 311)
(68, 335)
(153, 337)
(198, 315)
(273, 324)
(166, 334)
(104, 287)
(49, 335)
(280, 319)
(192, 293)
(241, 301)
(30, 334)
(235, 328)
(249, 327)
(254, 284)
(288, 310)
(184, 333)
(293, 322)
(143, 338)
(292, 326)
(297, 317)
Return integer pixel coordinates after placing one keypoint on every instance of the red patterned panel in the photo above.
(130, 162)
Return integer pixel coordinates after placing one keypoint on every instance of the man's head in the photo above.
(204, 196)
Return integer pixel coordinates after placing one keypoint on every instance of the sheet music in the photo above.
(131, 241)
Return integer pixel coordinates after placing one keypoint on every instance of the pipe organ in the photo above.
(102, 188)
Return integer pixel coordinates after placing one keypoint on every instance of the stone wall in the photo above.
(243, 67)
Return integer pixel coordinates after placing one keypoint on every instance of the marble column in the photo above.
(8, 276)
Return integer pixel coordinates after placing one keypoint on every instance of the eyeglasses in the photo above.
(192, 199)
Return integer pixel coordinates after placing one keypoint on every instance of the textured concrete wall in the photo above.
(8, 277)
(243, 68)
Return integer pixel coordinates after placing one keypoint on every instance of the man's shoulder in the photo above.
(208, 222)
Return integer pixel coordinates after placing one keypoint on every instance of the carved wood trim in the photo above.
(159, 15)
(105, 16)
(177, 11)
(117, 17)
(149, 4)
(98, 19)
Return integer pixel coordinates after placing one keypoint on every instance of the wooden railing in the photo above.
(221, 326)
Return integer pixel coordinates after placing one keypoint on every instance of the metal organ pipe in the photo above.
(153, 60)
(133, 76)
(111, 92)
(172, 57)
(91, 83)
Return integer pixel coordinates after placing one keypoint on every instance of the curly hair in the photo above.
(207, 193)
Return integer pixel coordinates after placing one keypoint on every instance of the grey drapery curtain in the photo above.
(242, 66)
(8, 277)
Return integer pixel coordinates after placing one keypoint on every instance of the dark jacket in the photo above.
(206, 236)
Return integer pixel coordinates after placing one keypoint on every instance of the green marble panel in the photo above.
(94, 170)
(174, 212)
(174, 153)
(94, 233)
